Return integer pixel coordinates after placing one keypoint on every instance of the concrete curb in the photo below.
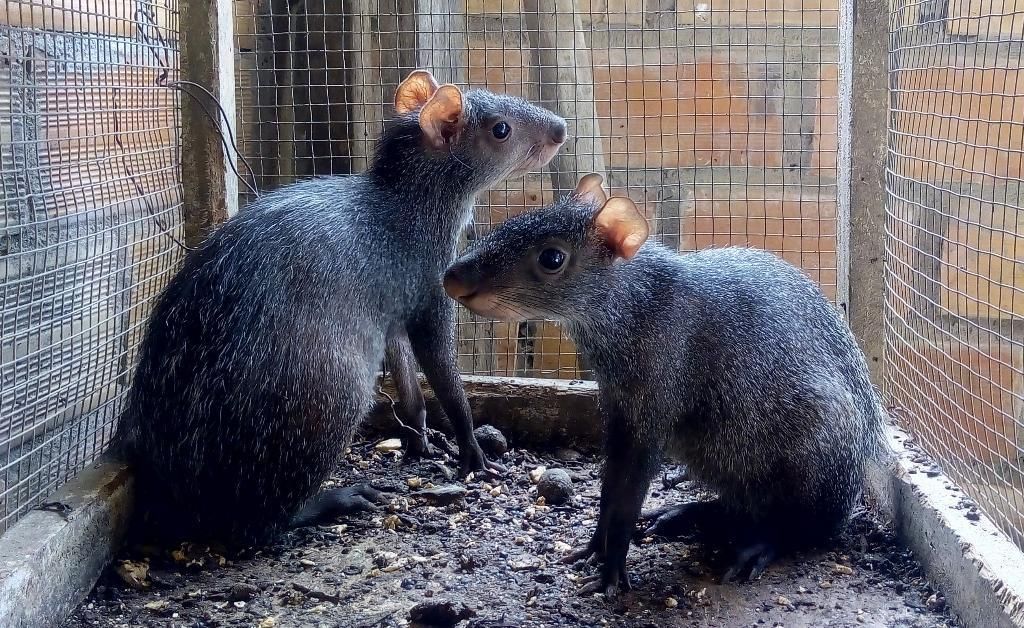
(50, 559)
(976, 566)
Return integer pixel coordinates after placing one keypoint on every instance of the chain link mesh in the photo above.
(720, 118)
(955, 276)
(91, 199)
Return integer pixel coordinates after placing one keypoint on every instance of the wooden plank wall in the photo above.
(720, 118)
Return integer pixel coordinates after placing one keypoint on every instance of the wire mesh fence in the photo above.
(91, 199)
(720, 118)
(955, 279)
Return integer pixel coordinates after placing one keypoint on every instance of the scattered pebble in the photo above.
(536, 473)
(389, 445)
(555, 486)
(671, 602)
(443, 495)
(242, 592)
(844, 570)
(782, 600)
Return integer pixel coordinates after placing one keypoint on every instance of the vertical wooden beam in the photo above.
(207, 58)
(869, 113)
(441, 40)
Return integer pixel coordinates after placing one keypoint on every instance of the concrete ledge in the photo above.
(978, 569)
(50, 559)
(541, 413)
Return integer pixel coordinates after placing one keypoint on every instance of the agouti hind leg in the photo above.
(410, 409)
(326, 506)
(687, 519)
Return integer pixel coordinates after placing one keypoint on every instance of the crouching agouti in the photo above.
(261, 355)
(730, 360)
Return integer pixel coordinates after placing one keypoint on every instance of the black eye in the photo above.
(501, 131)
(551, 260)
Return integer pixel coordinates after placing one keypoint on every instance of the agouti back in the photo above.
(262, 353)
(730, 360)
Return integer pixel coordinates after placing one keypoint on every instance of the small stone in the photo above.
(414, 482)
(268, 622)
(391, 522)
(825, 584)
(242, 592)
(157, 606)
(845, 570)
(671, 602)
(936, 603)
(495, 491)
(555, 486)
(442, 495)
(440, 613)
(567, 455)
(133, 573)
(491, 440)
(305, 562)
(562, 547)
(389, 445)
(536, 474)
(783, 601)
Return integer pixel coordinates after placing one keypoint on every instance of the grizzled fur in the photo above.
(730, 360)
(261, 355)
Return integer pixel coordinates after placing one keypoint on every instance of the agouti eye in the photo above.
(551, 260)
(501, 131)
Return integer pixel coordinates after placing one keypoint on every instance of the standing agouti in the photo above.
(729, 360)
(261, 355)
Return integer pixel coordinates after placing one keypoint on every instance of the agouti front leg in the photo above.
(628, 471)
(432, 336)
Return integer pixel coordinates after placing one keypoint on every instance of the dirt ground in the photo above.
(493, 554)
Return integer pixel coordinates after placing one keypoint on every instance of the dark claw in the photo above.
(584, 553)
(757, 556)
(672, 521)
(327, 506)
(416, 444)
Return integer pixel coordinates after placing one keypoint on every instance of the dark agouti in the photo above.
(729, 360)
(262, 354)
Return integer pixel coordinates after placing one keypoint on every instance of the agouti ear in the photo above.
(589, 190)
(441, 118)
(622, 226)
(414, 92)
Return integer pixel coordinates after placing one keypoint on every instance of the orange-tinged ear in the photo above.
(441, 118)
(589, 190)
(622, 226)
(415, 91)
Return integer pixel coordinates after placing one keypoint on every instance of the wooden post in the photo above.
(207, 58)
(867, 184)
(562, 69)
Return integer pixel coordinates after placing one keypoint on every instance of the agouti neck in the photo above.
(626, 297)
(433, 183)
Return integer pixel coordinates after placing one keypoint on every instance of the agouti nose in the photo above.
(558, 132)
(455, 286)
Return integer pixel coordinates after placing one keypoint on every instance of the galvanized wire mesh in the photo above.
(955, 279)
(90, 193)
(721, 118)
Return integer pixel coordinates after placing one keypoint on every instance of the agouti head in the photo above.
(478, 137)
(548, 263)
